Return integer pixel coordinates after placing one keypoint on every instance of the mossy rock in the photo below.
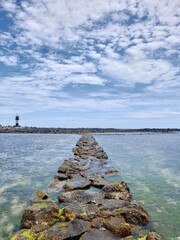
(23, 235)
(45, 212)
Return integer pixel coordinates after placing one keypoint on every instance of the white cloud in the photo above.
(79, 43)
(9, 60)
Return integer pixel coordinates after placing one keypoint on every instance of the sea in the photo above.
(149, 163)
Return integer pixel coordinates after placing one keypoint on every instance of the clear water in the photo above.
(150, 164)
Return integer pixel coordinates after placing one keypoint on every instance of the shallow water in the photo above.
(150, 164)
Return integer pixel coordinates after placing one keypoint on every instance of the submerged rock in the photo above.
(154, 236)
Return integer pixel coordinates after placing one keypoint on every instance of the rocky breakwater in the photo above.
(92, 203)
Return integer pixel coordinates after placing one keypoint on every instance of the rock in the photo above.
(117, 190)
(98, 234)
(81, 211)
(56, 186)
(78, 196)
(112, 204)
(42, 195)
(135, 214)
(111, 172)
(98, 181)
(69, 230)
(39, 196)
(23, 235)
(61, 176)
(118, 226)
(154, 236)
(97, 222)
(45, 212)
(87, 146)
(77, 183)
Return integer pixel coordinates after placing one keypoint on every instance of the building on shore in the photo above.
(17, 121)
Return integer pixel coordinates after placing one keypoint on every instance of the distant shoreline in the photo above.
(9, 129)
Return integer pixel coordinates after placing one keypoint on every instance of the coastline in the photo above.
(40, 130)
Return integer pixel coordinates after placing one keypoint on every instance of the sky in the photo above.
(82, 63)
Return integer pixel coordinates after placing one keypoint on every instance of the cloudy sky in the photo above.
(82, 63)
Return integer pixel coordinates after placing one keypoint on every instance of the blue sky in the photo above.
(98, 63)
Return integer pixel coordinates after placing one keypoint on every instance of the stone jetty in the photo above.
(91, 202)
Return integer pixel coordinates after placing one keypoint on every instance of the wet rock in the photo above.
(37, 229)
(81, 211)
(87, 146)
(98, 181)
(61, 176)
(111, 172)
(154, 236)
(77, 183)
(56, 186)
(112, 205)
(99, 234)
(117, 190)
(118, 226)
(78, 196)
(45, 212)
(23, 235)
(135, 214)
(97, 222)
(39, 196)
(70, 230)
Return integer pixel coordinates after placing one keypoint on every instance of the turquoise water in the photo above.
(149, 163)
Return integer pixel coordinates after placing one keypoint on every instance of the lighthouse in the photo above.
(17, 121)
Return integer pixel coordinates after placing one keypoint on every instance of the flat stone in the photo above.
(81, 211)
(77, 183)
(69, 230)
(78, 196)
(98, 234)
(45, 212)
(118, 226)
